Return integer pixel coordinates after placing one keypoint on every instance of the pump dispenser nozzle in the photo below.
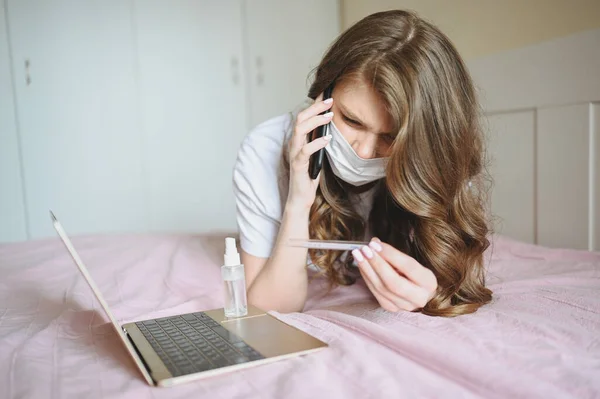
(231, 257)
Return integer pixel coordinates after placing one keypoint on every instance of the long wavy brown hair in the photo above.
(432, 204)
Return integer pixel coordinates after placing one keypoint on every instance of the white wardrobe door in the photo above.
(12, 208)
(286, 41)
(512, 166)
(76, 104)
(563, 176)
(193, 107)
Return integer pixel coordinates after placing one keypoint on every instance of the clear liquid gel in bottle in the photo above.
(234, 279)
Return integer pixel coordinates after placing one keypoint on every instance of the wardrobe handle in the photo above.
(235, 71)
(260, 76)
(27, 74)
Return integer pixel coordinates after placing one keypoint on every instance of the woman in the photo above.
(403, 164)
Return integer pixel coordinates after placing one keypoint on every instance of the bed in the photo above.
(540, 337)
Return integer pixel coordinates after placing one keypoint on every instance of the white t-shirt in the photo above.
(256, 186)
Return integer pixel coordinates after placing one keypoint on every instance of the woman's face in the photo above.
(360, 116)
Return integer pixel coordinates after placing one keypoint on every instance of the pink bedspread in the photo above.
(539, 338)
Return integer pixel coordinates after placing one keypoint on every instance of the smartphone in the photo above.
(316, 159)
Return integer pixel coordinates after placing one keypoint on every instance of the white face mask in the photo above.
(347, 165)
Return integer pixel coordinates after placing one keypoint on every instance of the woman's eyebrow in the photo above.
(350, 115)
(355, 118)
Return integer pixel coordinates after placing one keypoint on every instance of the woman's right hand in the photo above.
(302, 188)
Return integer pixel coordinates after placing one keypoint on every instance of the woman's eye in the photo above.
(351, 121)
(388, 138)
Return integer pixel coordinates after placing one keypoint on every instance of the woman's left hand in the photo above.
(397, 281)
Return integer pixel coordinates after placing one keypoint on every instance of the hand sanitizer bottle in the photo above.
(234, 280)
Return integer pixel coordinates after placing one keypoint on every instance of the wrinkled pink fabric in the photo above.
(539, 338)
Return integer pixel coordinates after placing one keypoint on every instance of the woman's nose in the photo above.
(365, 147)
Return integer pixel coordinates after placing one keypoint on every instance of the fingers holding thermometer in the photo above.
(397, 280)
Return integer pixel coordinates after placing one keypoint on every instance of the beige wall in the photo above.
(482, 27)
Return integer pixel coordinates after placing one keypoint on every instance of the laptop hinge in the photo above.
(139, 355)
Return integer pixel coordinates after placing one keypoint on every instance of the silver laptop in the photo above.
(186, 347)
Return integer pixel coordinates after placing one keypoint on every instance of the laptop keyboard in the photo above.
(194, 342)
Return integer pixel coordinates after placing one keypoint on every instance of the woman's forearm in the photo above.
(281, 285)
